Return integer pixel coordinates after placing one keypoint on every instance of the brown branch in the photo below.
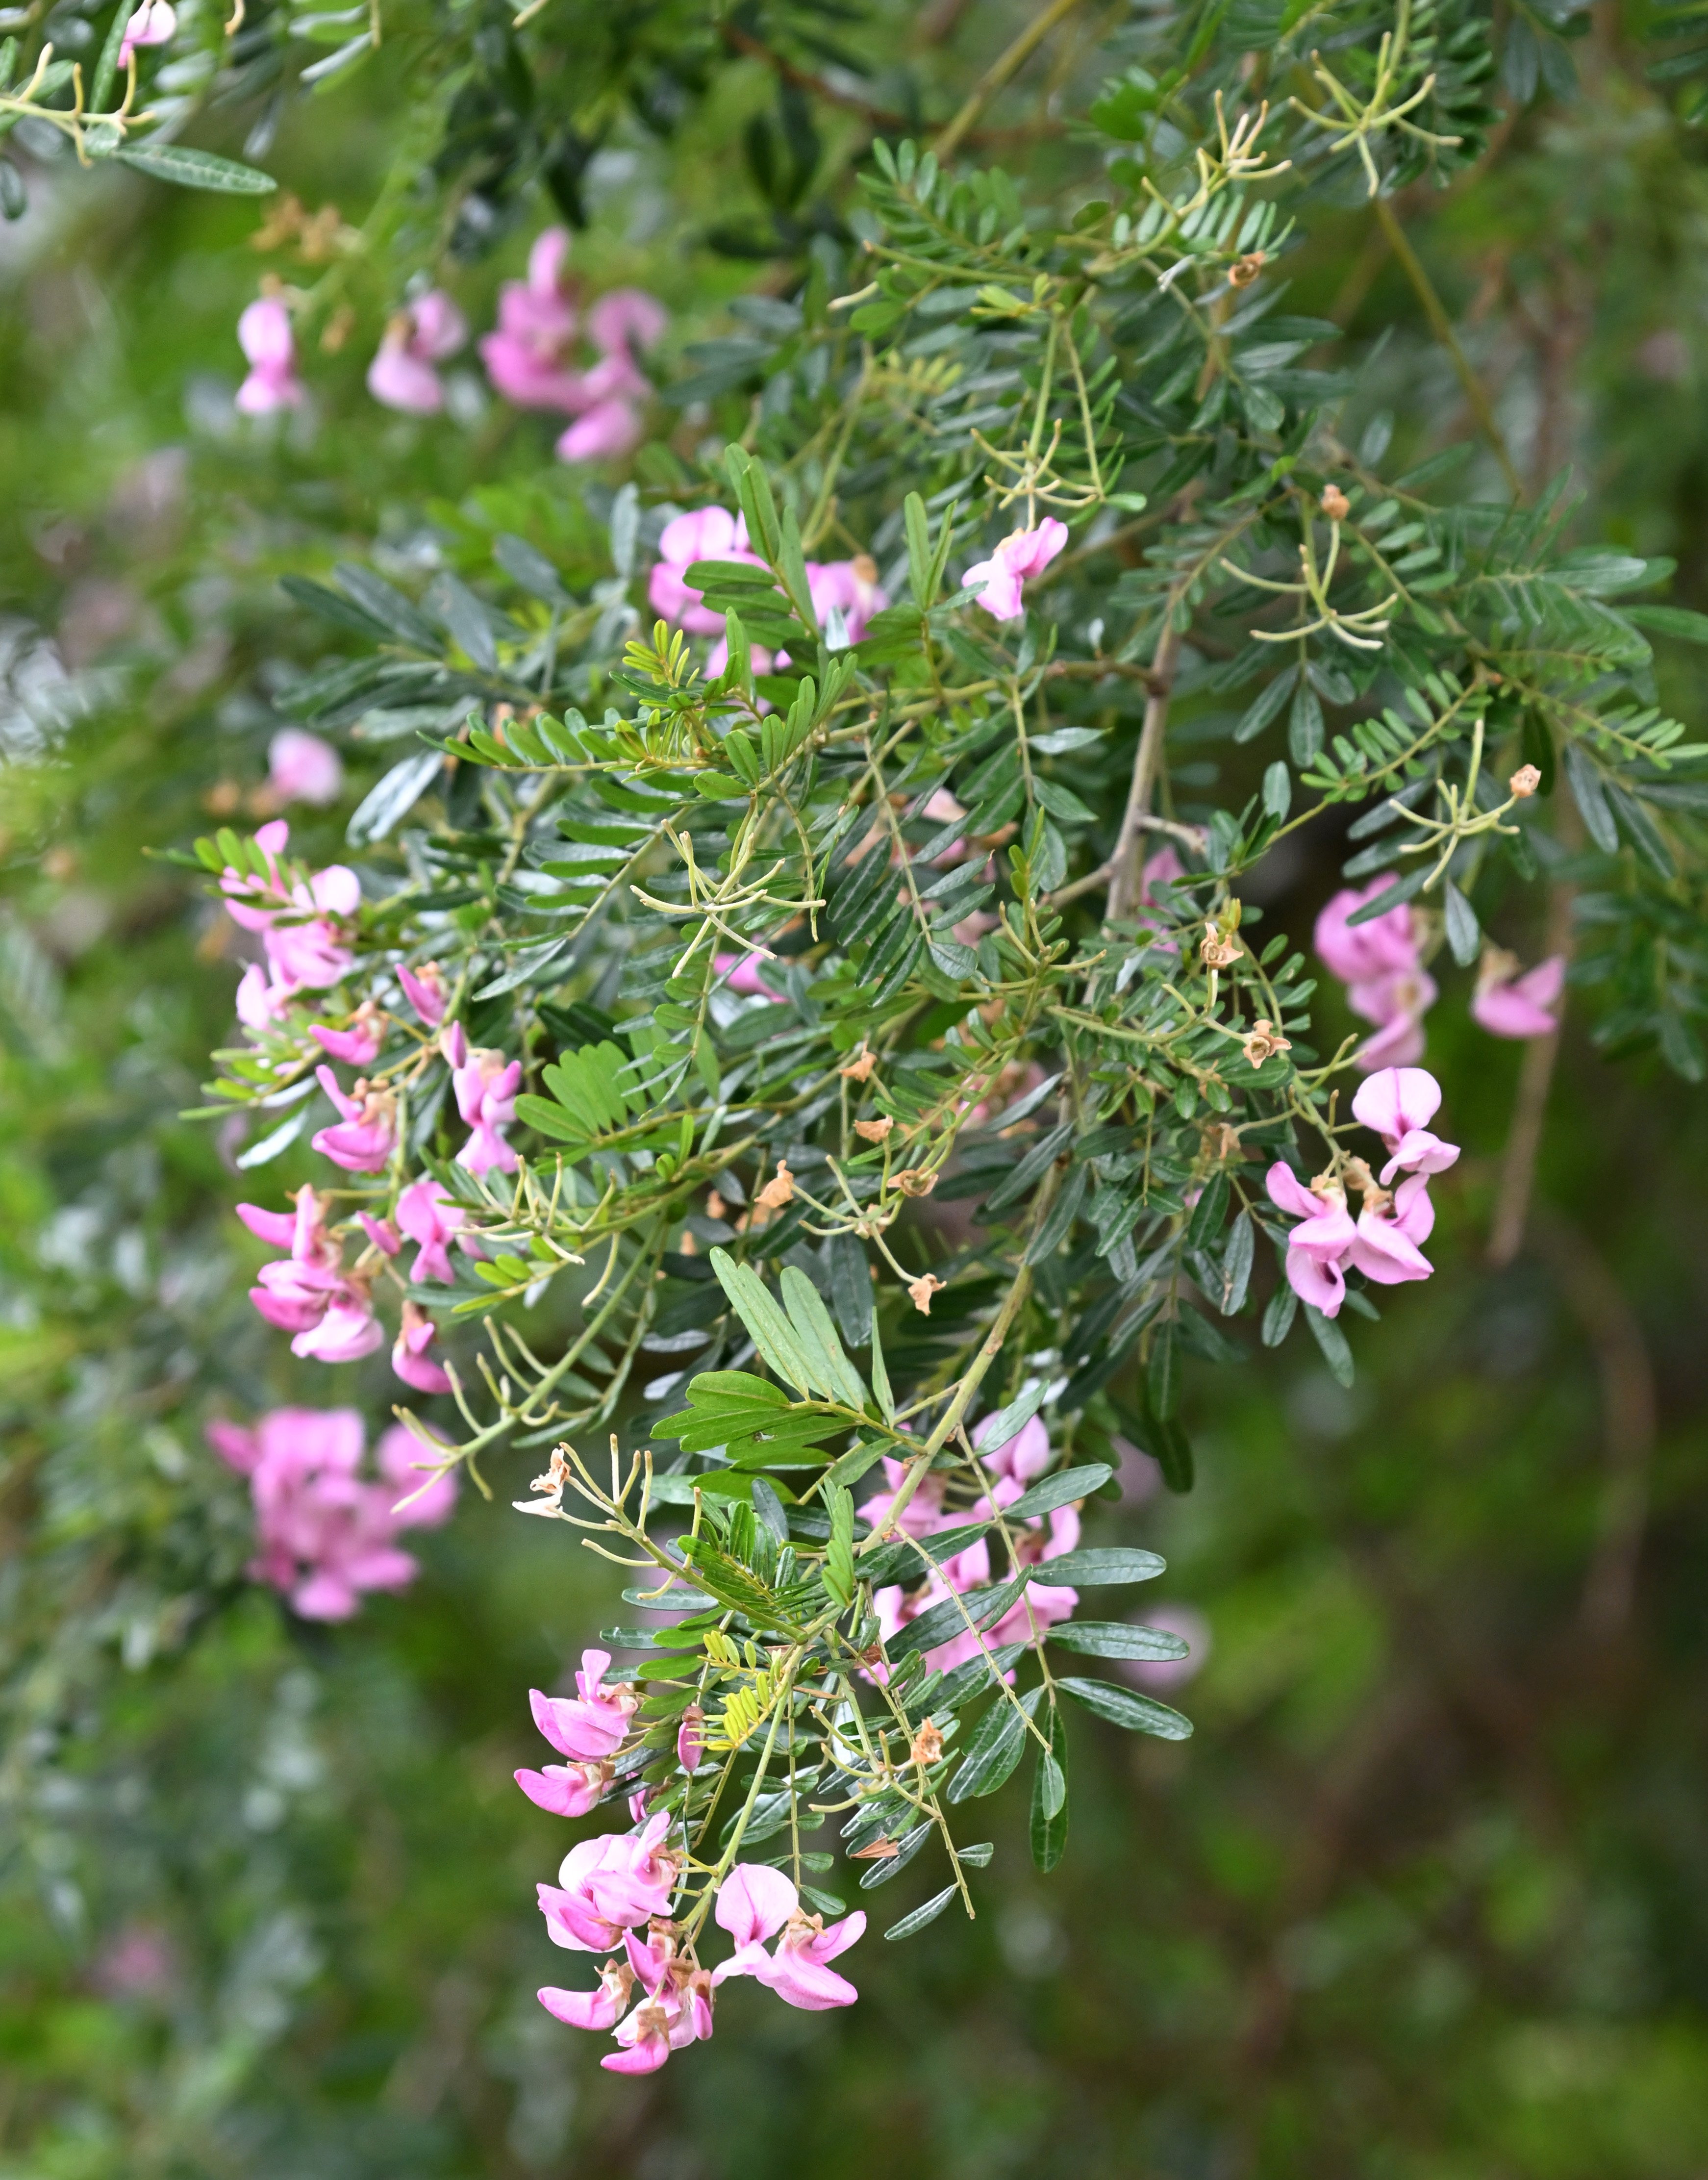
(1006, 64)
(1125, 868)
(1627, 1421)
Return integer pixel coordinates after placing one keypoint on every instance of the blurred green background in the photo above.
(1426, 1898)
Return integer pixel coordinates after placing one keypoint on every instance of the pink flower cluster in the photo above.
(1381, 966)
(301, 923)
(849, 587)
(326, 1532)
(1021, 555)
(1385, 1242)
(1038, 1540)
(327, 1308)
(609, 1886)
(588, 1728)
(530, 356)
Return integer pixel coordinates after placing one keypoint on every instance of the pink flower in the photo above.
(1024, 1455)
(1022, 554)
(309, 1293)
(756, 1902)
(364, 1140)
(301, 768)
(381, 1232)
(609, 1885)
(152, 24)
(745, 973)
(622, 321)
(1398, 1105)
(609, 428)
(264, 334)
(261, 1000)
(662, 2023)
(486, 1090)
(326, 1534)
(852, 588)
(708, 534)
(524, 357)
(588, 1726)
(1386, 1242)
(1379, 964)
(1318, 1247)
(424, 990)
(600, 2008)
(298, 920)
(358, 1043)
(423, 334)
(1511, 1004)
(427, 1217)
(409, 1357)
(689, 1745)
(566, 1790)
(397, 1454)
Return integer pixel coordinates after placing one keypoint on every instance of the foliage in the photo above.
(575, 816)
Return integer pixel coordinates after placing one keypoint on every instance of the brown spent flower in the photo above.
(860, 1066)
(1222, 1140)
(715, 1205)
(928, 1745)
(1334, 503)
(1262, 1041)
(778, 1191)
(1525, 781)
(880, 1850)
(1217, 951)
(915, 1181)
(1242, 273)
(921, 1289)
(874, 1132)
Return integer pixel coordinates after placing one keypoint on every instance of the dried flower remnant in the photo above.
(920, 1290)
(1334, 503)
(778, 1191)
(875, 1131)
(1524, 781)
(1262, 1042)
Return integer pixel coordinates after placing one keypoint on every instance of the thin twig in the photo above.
(1006, 64)
(1442, 326)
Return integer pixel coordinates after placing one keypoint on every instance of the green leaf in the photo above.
(768, 1328)
(836, 1378)
(1331, 1341)
(1098, 1567)
(920, 1916)
(1236, 1265)
(1117, 1639)
(995, 1748)
(196, 170)
(907, 1847)
(1049, 1816)
(1059, 1490)
(1121, 1707)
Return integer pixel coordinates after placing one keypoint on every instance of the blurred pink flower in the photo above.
(609, 428)
(152, 24)
(429, 1217)
(524, 357)
(301, 768)
(423, 334)
(1380, 967)
(363, 1140)
(298, 920)
(409, 1357)
(358, 1043)
(1509, 1003)
(709, 533)
(309, 1293)
(264, 334)
(745, 973)
(326, 1534)
(424, 990)
(1022, 554)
